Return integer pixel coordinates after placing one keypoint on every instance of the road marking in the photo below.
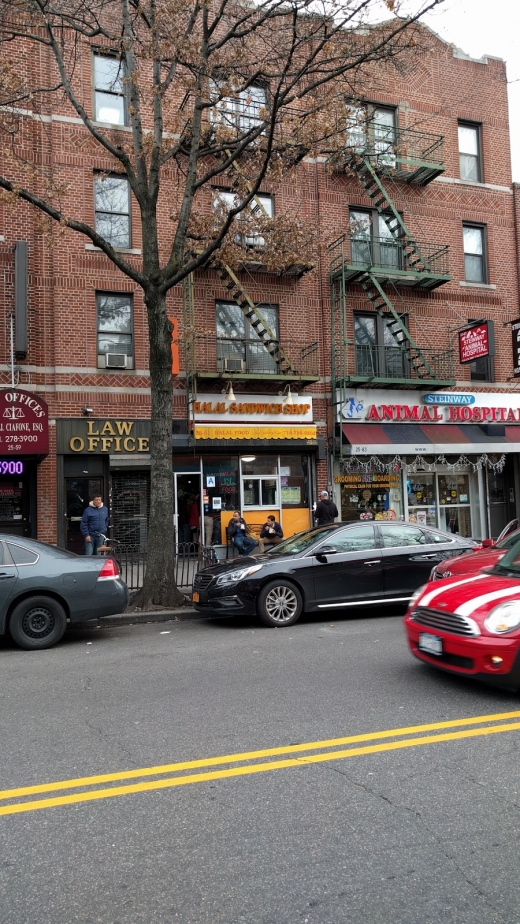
(329, 746)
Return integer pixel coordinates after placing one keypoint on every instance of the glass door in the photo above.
(79, 492)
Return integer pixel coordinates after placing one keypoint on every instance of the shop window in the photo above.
(475, 262)
(378, 349)
(112, 208)
(245, 221)
(239, 348)
(114, 330)
(371, 241)
(130, 510)
(470, 156)
(220, 495)
(109, 89)
(260, 482)
(294, 481)
(367, 496)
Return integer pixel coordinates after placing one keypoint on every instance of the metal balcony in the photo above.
(248, 359)
(403, 153)
(390, 365)
(416, 264)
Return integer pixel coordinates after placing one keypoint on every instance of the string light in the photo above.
(376, 464)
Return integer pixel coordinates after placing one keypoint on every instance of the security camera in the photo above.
(88, 410)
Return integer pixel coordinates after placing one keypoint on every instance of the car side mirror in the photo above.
(325, 550)
(487, 543)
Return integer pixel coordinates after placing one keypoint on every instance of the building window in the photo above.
(245, 221)
(371, 130)
(239, 348)
(109, 90)
(115, 344)
(378, 350)
(372, 241)
(242, 111)
(112, 205)
(475, 267)
(483, 369)
(470, 158)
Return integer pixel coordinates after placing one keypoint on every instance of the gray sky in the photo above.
(487, 27)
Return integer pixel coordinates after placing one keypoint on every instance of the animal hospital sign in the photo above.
(442, 407)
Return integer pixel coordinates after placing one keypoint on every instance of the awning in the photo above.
(428, 439)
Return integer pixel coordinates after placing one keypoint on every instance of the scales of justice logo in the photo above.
(14, 413)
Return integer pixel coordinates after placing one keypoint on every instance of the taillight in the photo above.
(109, 570)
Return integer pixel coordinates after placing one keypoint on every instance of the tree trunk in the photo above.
(159, 584)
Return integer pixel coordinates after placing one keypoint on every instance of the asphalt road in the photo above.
(417, 826)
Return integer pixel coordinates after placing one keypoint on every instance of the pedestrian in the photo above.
(270, 534)
(94, 525)
(238, 532)
(326, 510)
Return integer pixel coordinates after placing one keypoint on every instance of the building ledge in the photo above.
(477, 285)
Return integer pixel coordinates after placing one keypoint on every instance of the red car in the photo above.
(470, 625)
(484, 557)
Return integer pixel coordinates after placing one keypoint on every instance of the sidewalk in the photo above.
(138, 617)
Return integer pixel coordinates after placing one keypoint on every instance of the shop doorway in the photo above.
(187, 507)
(79, 492)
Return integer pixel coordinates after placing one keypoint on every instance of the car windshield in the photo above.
(301, 542)
(511, 560)
(509, 541)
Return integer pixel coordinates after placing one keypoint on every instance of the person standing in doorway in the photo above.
(326, 510)
(94, 525)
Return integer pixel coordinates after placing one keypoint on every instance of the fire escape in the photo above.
(383, 263)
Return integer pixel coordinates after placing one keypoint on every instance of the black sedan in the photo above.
(43, 587)
(344, 564)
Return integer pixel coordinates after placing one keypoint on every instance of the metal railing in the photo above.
(243, 356)
(387, 254)
(392, 362)
(392, 147)
(189, 558)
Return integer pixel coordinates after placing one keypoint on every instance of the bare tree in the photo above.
(209, 89)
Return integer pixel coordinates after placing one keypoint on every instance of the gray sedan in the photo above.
(42, 588)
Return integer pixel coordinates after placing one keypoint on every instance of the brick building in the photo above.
(342, 370)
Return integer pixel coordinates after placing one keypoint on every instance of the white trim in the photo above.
(457, 182)
(379, 600)
(477, 285)
(136, 250)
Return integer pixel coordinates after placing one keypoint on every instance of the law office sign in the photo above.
(515, 331)
(475, 342)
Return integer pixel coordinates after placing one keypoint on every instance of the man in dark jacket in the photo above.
(238, 532)
(326, 510)
(270, 534)
(94, 525)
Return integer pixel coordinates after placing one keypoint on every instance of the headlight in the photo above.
(417, 594)
(504, 618)
(232, 577)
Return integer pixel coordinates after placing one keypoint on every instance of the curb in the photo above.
(139, 618)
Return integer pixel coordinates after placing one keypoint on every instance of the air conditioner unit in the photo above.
(233, 364)
(116, 360)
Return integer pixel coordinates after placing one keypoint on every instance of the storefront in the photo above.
(446, 459)
(256, 456)
(24, 442)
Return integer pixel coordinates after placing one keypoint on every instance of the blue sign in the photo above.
(449, 399)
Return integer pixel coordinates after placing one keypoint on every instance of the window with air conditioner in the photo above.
(109, 89)
(260, 207)
(115, 345)
(112, 208)
(239, 349)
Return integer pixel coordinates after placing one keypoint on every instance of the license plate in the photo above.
(195, 597)
(431, 644)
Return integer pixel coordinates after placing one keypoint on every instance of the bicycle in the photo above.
(108, 549)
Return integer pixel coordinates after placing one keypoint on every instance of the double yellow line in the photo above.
(15, 801)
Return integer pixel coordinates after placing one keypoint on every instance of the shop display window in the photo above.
(294, 481)
(371, 496)
(422, 498)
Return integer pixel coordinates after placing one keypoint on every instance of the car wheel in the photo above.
(37, 622)
(279, 603)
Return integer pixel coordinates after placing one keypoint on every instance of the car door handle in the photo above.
(373, 561)
(433, 557)
(5, 577)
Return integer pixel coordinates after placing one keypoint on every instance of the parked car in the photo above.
(42, 588)
(485, 557)
(329, 567)
(470, 625)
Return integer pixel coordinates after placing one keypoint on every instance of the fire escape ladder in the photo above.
(254, 316)
(395, 325)
(392, 218)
